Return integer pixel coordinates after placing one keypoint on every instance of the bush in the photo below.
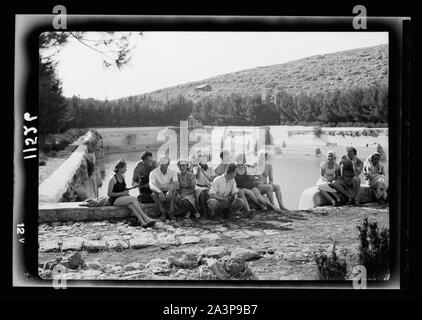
(374, 250)
(330, 267)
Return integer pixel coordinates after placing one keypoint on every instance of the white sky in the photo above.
(164, 59)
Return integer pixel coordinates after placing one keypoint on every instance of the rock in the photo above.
(237, 268)
(271, 232)
(212, 237)
(94, 245)
(215, 252)
(112, 237)
(133, 275)
(49, 265)
(253, 233)
(245, 254)
(142, 241)
(72, 260)
(49, 246)
(133, 266)
(116, 269)
(187, 260)
(189, 239)
(159, 265)
(205, 273)
(99, 224)
(95, 236)
(117, 245)
(74, 244)
(236, 234)
(166, 239)
(95, 265)
(71, 276)
(91, 274)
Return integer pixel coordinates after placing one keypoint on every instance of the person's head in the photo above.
(375, 158)
(231, 171)
(331, 156)
(164, 163)
(120, 167)
(241, 159)
(225, 156)
(147, 158)
(183, 165)
(351, 152)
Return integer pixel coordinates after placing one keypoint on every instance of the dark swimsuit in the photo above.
(244, 181)
(118, 187)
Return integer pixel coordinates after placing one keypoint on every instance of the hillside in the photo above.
(340, 70)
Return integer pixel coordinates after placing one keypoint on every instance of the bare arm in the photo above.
(270, 174)
(152, 183)
(135, 177)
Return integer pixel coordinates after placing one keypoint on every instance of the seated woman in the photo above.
(329, 173)
(374, 173)
(246, 185)
(345, 184)
(185, 196)
(119, 195)
(264, 183)
(204, 175)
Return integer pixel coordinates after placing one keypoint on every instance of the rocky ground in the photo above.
(267, 246)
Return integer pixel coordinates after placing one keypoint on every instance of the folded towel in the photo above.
(96, 202)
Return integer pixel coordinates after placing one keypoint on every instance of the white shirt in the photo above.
(159, 181)
(223, 188)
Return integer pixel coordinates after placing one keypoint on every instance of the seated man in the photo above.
(264, 183)
(348, 183)
(164, 183)
(223, 194)
(225, 160)
(141, 176)
(204, 174)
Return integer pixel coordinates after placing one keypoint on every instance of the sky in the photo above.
(165, 59)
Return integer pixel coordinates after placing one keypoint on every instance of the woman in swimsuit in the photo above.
(119, 195)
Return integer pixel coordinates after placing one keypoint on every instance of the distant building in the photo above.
(203, 87)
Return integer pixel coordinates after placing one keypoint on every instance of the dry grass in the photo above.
(341, 70)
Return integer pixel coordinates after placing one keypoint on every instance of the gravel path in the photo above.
(273, 247)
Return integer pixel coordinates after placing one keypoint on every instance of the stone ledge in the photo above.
(72, 211)
(312, 198)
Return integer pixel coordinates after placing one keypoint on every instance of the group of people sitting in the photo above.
(340, 183)
(197, 190)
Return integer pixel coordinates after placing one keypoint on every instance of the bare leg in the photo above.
(356, 189)
(326, 195)
(160, 204)
(252, 196)
(127, 201)
(268, 190)
(277, 191)
(242, 195)
(171, 198)
(340, 189)
(262, 200)
(141, 212)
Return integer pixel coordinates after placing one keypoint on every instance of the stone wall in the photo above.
(73, 211)
(80, 176)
